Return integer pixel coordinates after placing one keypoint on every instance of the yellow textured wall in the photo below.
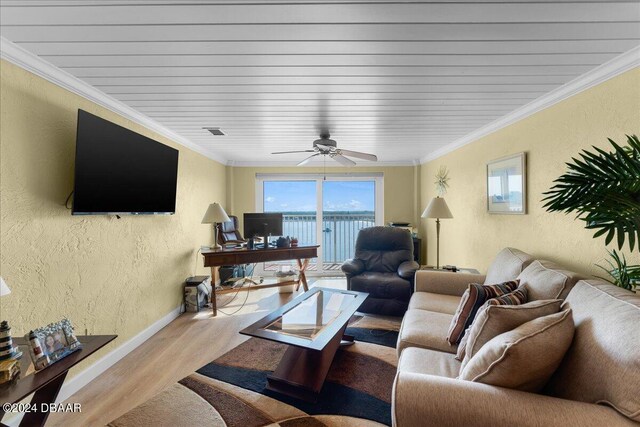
(400, 196)
(550, 138)
(108, 275)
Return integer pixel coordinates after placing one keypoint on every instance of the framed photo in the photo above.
(52, 343)
(507, 185)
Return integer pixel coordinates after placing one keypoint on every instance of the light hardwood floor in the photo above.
(183, 346)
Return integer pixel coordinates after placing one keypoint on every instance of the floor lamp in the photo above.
(214, 215)
(437, 209)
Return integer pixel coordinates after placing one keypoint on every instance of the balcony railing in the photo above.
(339, 231)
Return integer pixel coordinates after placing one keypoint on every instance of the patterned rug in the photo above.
(230, 391)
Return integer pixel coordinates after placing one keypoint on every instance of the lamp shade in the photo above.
(215, 214)
(4, 289)
(437, 208)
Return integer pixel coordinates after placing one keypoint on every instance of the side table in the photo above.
(45, 384)
(459, 270)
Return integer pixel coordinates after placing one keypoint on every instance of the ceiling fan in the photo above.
(328, 147)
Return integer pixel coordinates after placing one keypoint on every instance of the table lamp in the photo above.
(214, 215)
(4, 289)
(437, 209)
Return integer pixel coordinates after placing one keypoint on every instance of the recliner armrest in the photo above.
(407, 269)
(420, 399)
(354, 266)
(444, 282)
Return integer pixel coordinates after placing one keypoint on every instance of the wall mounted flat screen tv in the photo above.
(119, 171)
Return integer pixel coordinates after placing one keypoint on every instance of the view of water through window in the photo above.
(347, 207)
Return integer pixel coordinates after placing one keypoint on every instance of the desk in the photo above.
(46, 384)
(234, 256)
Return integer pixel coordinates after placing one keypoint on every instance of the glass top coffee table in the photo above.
(313, 325)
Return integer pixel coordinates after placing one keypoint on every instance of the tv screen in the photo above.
(119, 171)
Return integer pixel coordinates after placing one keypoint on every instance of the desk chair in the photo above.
(229, 232)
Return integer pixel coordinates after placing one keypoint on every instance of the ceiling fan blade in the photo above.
(307, 160)
(359, 155)
(290, 152)
(343, 160)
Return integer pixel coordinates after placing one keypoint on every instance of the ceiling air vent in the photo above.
(214, 131)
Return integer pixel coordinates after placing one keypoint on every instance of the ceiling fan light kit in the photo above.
(325, 146)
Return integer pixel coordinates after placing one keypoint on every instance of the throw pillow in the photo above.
(472, 299)
(462, 347)
(519, 296)
(494, 320)
(524, 358)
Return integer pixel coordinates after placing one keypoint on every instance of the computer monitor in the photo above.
(262, 225)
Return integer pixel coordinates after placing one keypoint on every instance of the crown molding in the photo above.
(600, 74)
(332, 165)
(17, 55)
(21, 57)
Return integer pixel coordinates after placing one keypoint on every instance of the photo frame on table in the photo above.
(507, 185)
(51, 343)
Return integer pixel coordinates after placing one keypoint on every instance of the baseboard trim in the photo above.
(85, 377)
(72, 386)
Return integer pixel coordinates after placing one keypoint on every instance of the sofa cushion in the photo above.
(517, 297)
(434, 302)
(425, 329)
(546, 280)
(494, 320)
(506, 266)
(430, 362)
(603, 364)
(524, 358)
(473, 298)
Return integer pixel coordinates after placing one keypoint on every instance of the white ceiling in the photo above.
(399, 79)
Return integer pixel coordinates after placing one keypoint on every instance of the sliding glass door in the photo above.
(328, 211)
(296, 200)
(347, 207)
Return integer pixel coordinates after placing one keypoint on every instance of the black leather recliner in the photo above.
(384, 268)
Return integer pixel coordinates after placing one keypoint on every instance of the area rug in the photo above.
(230, 391)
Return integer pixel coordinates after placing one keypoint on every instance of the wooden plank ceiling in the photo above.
(395, 78)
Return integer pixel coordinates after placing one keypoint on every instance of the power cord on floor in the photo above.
(240, 288)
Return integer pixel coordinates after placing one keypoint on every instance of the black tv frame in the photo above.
(119, 213)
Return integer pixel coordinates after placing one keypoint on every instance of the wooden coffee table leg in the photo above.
(301, 372)
(46, 394)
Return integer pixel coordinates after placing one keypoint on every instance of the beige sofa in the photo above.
(597, 384)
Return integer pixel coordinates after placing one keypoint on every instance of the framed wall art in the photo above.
(507, 185)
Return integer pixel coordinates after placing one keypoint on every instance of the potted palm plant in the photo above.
(603, 189)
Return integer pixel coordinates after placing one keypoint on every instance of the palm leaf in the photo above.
(623, 275)
(603, 189)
